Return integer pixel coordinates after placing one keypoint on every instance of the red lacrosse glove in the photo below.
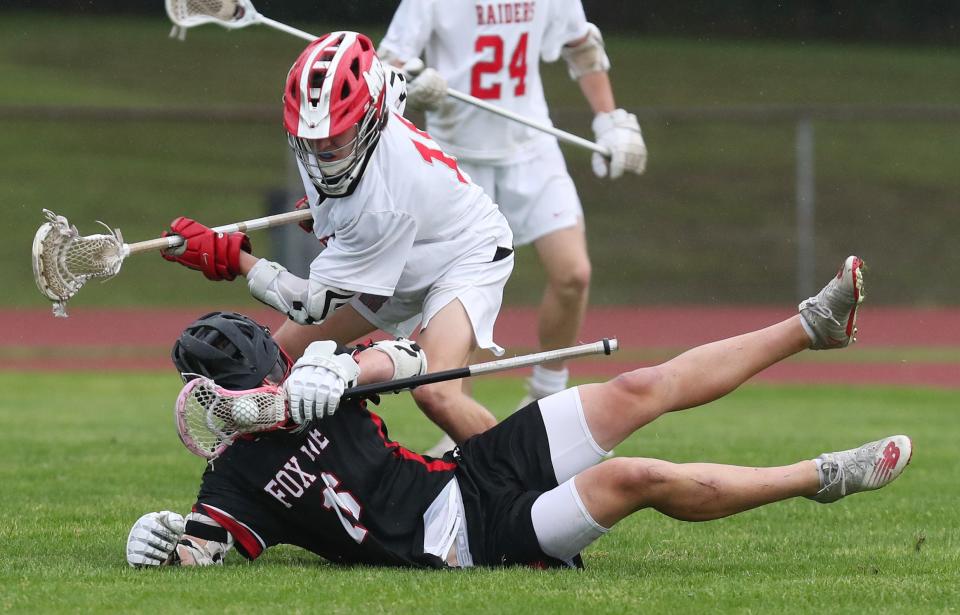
(306, 225)
(217, 255)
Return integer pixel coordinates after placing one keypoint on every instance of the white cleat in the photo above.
(869, 467)
(830, 317)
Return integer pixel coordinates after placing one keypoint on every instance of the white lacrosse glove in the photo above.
(619, 132)
(427, 91)
(408, 358)
(153, 538)
(318, 380)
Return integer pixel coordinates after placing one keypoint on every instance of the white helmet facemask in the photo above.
(335, 171)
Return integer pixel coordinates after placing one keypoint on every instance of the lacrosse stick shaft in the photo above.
(276, 25)
(604, 346)
(562, 135)
(162, 243)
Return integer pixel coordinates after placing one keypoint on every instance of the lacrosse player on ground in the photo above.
(408, 237)
(534, 490)
(492, 50)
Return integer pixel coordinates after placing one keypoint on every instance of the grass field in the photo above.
(712, 221)
(85, 455)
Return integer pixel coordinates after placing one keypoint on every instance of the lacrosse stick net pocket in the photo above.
(227, 13)
(63, 260)
(210, 417)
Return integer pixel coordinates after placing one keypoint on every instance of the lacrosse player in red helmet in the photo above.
(534, 490)
(492, 51)
(409, 238)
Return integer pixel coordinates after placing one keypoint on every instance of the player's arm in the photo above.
(167, 539)
(588, 65)
(224, 256)
(306, 302)
(407, 34)
(426, 88)
(319, 378)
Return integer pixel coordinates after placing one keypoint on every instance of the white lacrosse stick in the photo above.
(64, 260)
(230, 14)
(235, 14)
(210, 417)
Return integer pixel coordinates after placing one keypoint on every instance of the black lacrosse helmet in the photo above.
(232, 350)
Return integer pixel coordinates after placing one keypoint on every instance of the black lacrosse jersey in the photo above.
(340, 488)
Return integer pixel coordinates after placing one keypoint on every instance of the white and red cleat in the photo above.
(830, 318)
(869, 467)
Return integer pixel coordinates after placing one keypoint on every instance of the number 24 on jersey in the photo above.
(516, 69)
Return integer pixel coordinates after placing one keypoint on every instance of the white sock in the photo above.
(819, 463)
(545, 381)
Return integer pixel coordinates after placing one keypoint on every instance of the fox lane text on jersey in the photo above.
(291, 480)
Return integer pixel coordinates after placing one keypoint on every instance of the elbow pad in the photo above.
(587, 57)
(304, 302)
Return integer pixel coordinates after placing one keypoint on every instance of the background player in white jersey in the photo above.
(492, 50)
(533, 490)
(409, 238)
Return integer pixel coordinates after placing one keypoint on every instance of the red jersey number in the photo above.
(517, 69)
(429, 154)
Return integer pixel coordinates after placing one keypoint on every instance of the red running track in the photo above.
(32, 339)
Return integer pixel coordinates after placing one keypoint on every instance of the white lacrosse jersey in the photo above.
(492, 50)
(412, 216)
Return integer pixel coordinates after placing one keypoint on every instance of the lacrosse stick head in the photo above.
(210, 417)
(63, 260)
(227, 13)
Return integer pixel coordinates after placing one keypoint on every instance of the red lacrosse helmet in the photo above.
(334, 107)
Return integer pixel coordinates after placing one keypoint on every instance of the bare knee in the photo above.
(438, 401)
(643, 475)
(667, 488)
(637, 480)
(454, 412)
(644, 384)
(572, 282)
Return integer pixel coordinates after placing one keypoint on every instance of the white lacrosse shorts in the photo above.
(477, 280)
(536, 196)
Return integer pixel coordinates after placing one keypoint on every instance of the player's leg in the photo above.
(563, 254)
(615, 409)
(583, 424)
(448, 340)
(540, 202)
(616, 488)
(571, 516)
(459, 313)
(343, 326)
